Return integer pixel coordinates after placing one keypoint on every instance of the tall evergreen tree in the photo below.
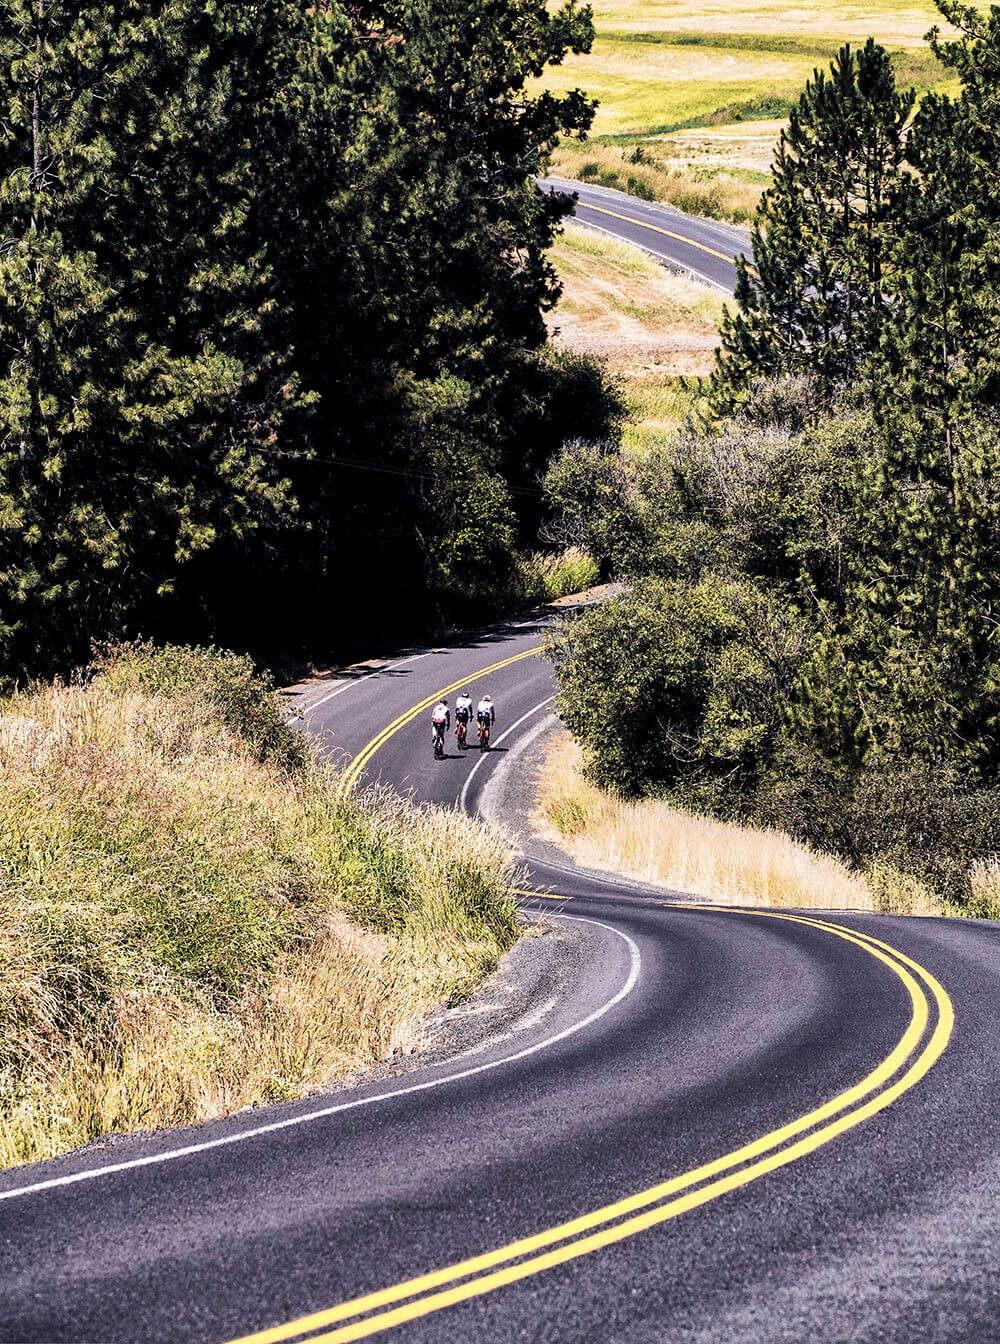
(944, 347)
(138, 381)
(816, 297)
(920, 639)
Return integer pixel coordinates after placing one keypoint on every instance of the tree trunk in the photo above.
(36, 187)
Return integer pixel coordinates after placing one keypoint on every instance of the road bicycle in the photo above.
(484, 735)
(462, 733)
(437, 737)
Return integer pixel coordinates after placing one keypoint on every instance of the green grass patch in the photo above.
(657, 403)
(547, 577)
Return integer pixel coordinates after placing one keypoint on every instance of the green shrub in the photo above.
(568, 815)
(589, 499)
(224, 684)
(926, 819)
(895, 892)
(912, 825)
(673, 680)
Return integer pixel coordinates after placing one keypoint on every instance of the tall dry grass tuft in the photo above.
(984, 884)
(193, 922)
(722, 193)
(733, 865)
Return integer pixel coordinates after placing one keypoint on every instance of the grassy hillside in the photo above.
(654, 328)
(194, 922)
(692, 96)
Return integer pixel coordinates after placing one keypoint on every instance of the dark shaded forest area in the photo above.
(272, 360)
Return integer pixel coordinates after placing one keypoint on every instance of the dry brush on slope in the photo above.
(652, 841)
(194, 922)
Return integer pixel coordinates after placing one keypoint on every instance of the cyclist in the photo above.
(463, 717)
(486, 715)
(440, 723)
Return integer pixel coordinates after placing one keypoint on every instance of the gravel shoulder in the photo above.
(510, 800)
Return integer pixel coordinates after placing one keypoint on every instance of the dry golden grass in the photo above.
(688, 176)
(984, 881)
(189, 929)
(747, 146)
(903, 22)
(731, 865)
(653, 328)
(616, 300)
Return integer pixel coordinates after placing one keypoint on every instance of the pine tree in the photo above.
(923, 633)
(815, 299)
(138, 383)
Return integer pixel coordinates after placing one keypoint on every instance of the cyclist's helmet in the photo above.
(487, 697)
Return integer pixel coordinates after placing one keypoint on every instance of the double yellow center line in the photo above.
(922, 1043)
(353, 771)
(667, 233)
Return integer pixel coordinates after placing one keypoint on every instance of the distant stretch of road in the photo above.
(703, 248)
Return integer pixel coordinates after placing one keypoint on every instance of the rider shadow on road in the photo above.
(473, 753)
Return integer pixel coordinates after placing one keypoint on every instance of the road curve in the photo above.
(702, 248)
(737, 1126)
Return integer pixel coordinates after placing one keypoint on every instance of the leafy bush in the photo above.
(895, 892)
(737, 675)
(672, 680)
(907, 824)
(589, 497)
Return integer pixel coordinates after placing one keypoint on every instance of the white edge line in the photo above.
(484, 756)
(661, 258)
(155, 1159)
(356, 681)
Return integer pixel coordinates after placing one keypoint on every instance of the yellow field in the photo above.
(701, 90)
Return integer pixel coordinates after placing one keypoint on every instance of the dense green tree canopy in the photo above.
(137, 355)
(271, 285)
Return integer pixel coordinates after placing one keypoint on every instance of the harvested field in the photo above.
(704, 89)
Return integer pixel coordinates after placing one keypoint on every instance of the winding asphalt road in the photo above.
(703, 248)
(734, 1127)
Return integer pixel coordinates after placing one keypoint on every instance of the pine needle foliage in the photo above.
(825, 242)
(137, 352)
(271, 285)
